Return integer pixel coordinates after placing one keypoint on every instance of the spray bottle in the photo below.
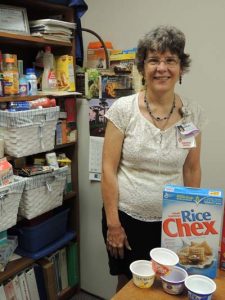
(49, 81)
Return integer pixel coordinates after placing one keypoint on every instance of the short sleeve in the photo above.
(119, 113)
(196, 114)
(199, 117)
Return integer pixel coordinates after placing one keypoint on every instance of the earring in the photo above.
(143, 81)
(180, 79)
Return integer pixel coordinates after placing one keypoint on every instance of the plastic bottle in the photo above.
(49, 81)
(11, 77)
(32, 81)
(23, 86)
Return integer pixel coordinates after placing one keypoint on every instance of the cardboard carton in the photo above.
(191, 225)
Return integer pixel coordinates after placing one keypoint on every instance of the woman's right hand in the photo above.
(116, 241)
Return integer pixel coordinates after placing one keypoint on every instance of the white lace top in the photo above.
(150, 157)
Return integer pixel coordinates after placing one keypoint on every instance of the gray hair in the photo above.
(162, 39)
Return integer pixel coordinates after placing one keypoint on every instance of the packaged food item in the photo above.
(6, 172)
(65, 73)
(191, 225)
(52, 160)
(43, 102)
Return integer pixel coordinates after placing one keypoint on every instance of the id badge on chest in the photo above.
(186, 135)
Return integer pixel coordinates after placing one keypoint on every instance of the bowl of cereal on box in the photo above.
(163, 260)
(143, 274)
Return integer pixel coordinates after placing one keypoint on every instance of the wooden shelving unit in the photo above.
(26, 48)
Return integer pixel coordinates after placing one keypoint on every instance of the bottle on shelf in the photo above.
(49, 81)
(23, 83)
(10, 75)
(32, 81)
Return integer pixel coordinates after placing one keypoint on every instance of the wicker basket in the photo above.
(28, 132)
(10, 196)
(43, 193)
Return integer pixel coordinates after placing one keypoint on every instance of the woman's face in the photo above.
(161, 71)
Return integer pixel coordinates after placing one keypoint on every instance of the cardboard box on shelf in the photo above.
(191, 226)
(96, 55)
(65, 73)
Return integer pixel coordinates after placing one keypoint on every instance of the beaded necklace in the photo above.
(158, 118)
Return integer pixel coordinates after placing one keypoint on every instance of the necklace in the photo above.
(158, 118)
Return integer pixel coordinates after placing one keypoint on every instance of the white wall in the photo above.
(123, 22)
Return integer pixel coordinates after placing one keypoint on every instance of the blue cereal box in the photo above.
(191, 226)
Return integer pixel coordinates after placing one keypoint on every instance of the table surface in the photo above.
(131, 292)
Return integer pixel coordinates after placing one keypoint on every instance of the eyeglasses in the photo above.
(168, 61)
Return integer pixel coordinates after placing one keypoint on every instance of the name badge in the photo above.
(185, 142)
(187, 129)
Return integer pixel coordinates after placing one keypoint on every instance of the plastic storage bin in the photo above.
(33, 238)
(10, 196)
(42, 193)
(28, 132)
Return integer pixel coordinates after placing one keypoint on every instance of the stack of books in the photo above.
(52, 29)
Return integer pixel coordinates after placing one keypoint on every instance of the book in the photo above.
(23, 286)
(32, 284)
(9, 291)
(114, 86)
(54, 258)
(72, 264)
(63, 268)
(49, 278)
(91, 82)
(17, 289)
(40, 281)
(2, 293)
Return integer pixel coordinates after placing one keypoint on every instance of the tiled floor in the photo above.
(85, 296)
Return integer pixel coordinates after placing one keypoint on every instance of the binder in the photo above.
(40, 281)
(23, 286)
(9, 291)
(72, 264)
(17, 289)
(63, 268)
(32, 284)
(49, 278)
(2, 293)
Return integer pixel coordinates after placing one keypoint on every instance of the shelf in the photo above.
(29, 41)
(68, 293)
(39, 95)
(14, 267)
(64, 145)
(69, 196)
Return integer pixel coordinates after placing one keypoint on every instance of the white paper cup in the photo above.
(163, 260)
(173, 283)
(143, 274)
(199, 287)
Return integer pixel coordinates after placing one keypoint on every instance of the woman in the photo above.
(144, 150)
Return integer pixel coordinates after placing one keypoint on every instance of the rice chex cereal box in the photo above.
(222, 253)
(191, 226)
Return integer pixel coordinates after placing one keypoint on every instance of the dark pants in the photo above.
(142, 237)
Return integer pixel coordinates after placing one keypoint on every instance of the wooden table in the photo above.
(131, 292)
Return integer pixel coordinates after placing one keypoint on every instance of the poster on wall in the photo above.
(97, 121)
(97, 125)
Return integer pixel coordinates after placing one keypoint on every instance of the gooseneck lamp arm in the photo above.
(102, 42)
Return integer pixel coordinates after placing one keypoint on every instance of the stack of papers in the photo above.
(51, 29)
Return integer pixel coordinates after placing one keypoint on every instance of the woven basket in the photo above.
(28, 132)
(10, 196)
(42, 193)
